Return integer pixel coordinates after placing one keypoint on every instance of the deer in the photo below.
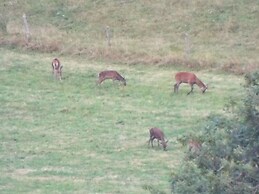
(56, 69)
(189, 78)
(110, 74)
(156, 133)
(194, 146)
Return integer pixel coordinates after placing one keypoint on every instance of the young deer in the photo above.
(114, 75)
(194, 146)
(156, 133)
(56, 69)
(191, 79)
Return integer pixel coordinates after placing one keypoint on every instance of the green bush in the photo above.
(228, 161)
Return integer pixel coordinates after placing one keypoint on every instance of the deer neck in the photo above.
(200, 84)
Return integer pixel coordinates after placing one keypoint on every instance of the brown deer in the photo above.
(156, 133)
(114, 75)
(56, 69)
(191, 79)
(194, 146)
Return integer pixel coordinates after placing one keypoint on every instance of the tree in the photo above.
(228, 161)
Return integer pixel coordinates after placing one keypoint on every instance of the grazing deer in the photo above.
(191, 79)
(194, 146)
(57, 68)
(156, 133)
(114, 75)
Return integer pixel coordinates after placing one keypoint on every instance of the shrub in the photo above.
(229, 158)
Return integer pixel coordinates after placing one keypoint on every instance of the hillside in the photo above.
(199, 34)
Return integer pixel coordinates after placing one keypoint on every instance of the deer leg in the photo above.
(191, 90)
(100, 81)
(52, 69)
(60, 73)
(149, 141)
(152, 139)
(176, 86)
(55, 73)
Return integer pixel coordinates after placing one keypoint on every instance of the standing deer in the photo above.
(114, 75)
(191, 79)
(156, 133)
(57, 69)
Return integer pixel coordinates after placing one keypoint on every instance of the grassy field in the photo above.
(75, 136)
(222, 34)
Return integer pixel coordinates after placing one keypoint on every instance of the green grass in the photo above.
(75, 136)
(221, 33)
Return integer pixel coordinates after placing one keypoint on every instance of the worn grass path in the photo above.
(75, 136)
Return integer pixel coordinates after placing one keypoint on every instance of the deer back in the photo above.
(110, 74)
(185, 77)
(156, 133)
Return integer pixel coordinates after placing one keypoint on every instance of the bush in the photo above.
(228, 161)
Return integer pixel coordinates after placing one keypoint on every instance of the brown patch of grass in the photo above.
(239, 68)
(23, 171)
(44, 46)
(122, 56)
(34, 45)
